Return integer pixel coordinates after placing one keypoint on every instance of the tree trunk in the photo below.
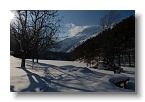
(33, 59)
(33, 56)
(113, 56)
(23, 60)
(37, 57)
(119, 60)
(99, 58)
(129, 56)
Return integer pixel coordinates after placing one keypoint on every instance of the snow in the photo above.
(68, 44)
(64, 76)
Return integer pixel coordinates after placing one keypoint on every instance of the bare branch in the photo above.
(108, 20)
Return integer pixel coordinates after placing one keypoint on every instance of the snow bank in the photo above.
(62, 76)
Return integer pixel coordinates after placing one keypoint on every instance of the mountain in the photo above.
(69, 44)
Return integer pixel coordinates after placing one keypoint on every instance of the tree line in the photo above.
(114, 44)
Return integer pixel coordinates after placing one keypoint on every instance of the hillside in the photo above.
(69, 44)
(116, 45)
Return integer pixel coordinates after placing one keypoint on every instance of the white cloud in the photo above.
(70, 25)
(74, 29)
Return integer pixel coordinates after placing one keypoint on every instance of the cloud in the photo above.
(74, 29)
(70, 25)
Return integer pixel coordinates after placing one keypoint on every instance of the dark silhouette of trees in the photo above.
(35, 30)
(113, 44)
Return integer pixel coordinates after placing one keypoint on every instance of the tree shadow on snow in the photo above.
(37, 66)
(37, 83)
(66, 74)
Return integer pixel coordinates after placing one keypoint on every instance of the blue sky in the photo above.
(75, 21)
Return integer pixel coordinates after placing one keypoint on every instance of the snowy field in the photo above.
(65, 76)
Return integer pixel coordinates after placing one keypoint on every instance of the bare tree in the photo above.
(18, 30)
(34, 29)
(46, 25)
(108, 20)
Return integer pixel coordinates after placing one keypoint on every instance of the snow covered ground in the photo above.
(65, 76)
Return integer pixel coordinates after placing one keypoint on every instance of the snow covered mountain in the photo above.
(69, 44)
